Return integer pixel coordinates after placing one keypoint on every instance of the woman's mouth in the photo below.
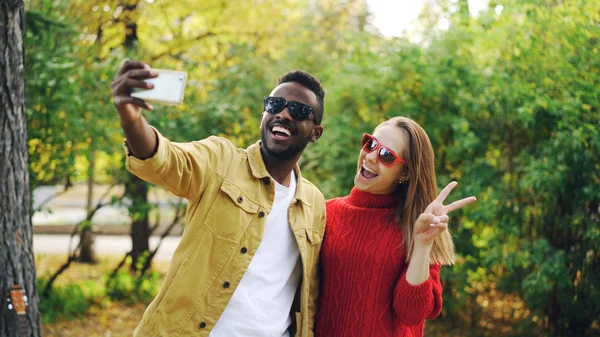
(367, 173)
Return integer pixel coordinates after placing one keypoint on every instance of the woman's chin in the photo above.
(361, 183)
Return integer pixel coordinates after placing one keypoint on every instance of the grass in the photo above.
(115, 318)
(103, 319)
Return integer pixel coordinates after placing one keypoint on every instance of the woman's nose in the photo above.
(372, 157)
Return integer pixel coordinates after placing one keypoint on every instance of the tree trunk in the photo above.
(87, 254)
(17, 266)
(137, 191)
(129, 18)
(464, 13)
(135, 188)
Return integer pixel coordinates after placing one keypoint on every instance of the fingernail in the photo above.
(436, 219)
(151, 107)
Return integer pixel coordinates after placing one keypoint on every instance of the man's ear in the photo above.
(316, 133)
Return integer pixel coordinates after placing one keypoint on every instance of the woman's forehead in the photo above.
(392, 137)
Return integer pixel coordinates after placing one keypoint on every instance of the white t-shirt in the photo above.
(260, 305)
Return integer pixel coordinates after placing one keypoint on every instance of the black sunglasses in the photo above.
(298, 111)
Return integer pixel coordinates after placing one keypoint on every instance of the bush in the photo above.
(69, 301)
(131, 288)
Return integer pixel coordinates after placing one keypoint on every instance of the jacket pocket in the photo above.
(314, 240)
(231, 213)
(313, 236)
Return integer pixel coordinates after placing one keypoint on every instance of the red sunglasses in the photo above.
(385, 156)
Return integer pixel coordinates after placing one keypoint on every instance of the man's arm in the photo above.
(178, 167)
(141, 138)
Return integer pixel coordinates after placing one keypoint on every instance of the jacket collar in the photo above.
(259, 171)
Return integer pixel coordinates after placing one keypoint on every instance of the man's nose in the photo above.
(284, 114)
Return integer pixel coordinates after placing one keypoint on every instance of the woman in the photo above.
(385, 242)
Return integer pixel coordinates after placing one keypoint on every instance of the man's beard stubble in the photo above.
(286, 154)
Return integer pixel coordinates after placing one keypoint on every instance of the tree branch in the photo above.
(52, 197)
(178, 216)
(72, 255)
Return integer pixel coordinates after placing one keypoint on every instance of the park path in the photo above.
(67, 209)
(116, 245)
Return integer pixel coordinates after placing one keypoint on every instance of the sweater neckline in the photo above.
(364, 199)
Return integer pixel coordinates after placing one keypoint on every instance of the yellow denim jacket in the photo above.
(229, 194)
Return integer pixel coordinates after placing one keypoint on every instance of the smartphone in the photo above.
(169, 87)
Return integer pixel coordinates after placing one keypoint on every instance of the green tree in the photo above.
(19, 315)
(510, 101)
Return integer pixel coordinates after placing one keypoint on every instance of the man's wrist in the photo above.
(141, 139)
(132, 124)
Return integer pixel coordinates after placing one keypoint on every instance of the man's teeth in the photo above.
(369, 170)
(282, 130)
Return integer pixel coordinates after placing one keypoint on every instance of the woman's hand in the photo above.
(434, 220)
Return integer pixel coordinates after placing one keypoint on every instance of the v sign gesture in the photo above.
(430, 224)
(434, 220)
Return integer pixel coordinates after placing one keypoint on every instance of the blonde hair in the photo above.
(419, 190)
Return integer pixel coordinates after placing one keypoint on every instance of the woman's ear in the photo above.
(403, 176)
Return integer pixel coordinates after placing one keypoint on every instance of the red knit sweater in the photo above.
(364, 292)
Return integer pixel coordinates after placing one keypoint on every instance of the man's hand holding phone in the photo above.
(138, 85)
(131, 75)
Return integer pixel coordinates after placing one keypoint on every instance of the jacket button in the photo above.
(226, 285)
(261, 214)
(240, 200)
(202, 325)
(244, 250)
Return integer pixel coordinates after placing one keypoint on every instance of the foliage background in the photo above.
(510, 100)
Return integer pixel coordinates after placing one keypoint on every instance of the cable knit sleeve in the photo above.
(414, 304)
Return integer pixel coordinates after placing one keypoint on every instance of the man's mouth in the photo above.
(367, 173)
(281, 132)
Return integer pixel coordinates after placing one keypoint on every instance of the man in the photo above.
(247, 261)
